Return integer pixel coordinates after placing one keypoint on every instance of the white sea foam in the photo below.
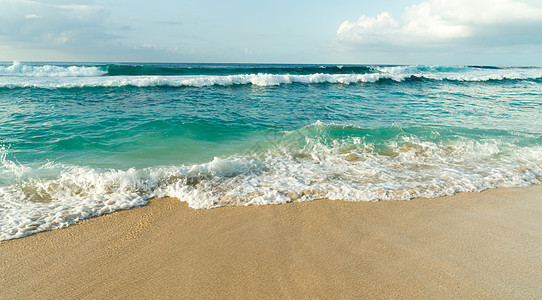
(188, 81)
(73, 77)
(18, 69)
(459, 73)
(37, 198)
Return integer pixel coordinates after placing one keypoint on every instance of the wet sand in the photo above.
(471, 245)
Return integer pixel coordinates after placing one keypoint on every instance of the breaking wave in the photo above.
(51, 76)
(18, 69)
(317, 161)
(252, 79)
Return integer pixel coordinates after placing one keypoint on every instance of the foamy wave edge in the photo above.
(349, 169)
(247, 79)
(18, 69)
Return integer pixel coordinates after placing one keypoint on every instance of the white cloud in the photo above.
(52, 25)
(439, 22)
(65, 30)
(370, 30)
(32, 16)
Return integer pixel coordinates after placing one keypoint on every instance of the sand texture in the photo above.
(471, 245)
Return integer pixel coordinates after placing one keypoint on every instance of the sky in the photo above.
(452, 32)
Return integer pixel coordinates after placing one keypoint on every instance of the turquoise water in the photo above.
(79, 140)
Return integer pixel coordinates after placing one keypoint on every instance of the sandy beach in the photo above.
(471, 245)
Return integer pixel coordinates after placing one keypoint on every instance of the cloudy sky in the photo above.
(488, 32)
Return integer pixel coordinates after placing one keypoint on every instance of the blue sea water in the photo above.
(80, 140)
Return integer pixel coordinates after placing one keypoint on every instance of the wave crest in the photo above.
(18, 69)
(22, 76)
(250, 79)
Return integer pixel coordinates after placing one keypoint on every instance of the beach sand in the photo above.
(471, 245)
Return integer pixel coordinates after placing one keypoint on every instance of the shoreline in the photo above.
(470, 245)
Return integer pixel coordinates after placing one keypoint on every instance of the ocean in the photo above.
(78, 140)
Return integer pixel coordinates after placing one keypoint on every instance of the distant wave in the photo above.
(18, 69)
(234, 69)
(249, 79)
(19, 75)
